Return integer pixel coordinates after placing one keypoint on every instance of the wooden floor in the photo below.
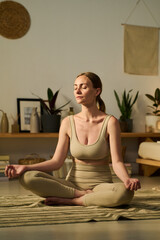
(116, 230)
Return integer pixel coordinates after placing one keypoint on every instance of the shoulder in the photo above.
(65, 120)
(112, 120)
(113, 124)
(65, 126)
(65, 123)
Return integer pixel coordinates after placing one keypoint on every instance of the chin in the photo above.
(79, 100)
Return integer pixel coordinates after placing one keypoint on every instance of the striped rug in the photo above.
(29, 210)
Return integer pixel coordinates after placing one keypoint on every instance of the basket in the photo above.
(31, 159)
(14, 20)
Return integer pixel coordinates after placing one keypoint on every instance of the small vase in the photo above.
(71, 111)
(15, 128)
(34, 121)
(4, 123)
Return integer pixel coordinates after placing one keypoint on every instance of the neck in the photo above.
(90, 113)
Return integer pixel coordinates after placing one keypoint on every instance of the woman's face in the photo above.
(84, 92)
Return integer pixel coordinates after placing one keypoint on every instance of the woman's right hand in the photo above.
(14, 171)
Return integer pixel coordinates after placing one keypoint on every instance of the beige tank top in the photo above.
(96, 151)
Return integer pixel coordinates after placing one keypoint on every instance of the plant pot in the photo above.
(152, 123)
(127, 125)
(51, 123)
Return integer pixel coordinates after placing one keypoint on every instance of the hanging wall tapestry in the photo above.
(141, 50)
(141, 46)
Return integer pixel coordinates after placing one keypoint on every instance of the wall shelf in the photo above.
(28, 135)
(140, 135)
(55, 135)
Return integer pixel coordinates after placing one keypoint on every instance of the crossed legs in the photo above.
(56, 191)
(62, 192)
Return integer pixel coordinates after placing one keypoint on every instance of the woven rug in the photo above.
(29, 210)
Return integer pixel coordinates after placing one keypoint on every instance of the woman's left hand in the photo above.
(132, 184)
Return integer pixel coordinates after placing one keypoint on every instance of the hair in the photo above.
(97, 83)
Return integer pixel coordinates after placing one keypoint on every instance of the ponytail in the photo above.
(101, 104)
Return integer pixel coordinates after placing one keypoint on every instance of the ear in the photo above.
(98, 91)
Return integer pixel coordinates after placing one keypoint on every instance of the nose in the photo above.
(78, 90)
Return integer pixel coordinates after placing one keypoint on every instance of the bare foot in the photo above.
(51, 201)
(79, 193)
(77, 200)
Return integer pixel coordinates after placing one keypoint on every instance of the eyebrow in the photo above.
(80, 84)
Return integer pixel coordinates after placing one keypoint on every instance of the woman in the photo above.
(89, 135)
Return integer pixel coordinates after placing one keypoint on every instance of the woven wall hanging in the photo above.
(14, 20)
(141, 46)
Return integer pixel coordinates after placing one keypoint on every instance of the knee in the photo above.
(28, 178)
(123, 196)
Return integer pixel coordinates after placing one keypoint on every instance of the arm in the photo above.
(53, 164)
(117, 161)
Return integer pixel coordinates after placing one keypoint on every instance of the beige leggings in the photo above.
(81, 177)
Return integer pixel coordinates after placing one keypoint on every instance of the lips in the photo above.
(79, 97)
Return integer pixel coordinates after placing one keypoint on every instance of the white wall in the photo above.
(67, 37)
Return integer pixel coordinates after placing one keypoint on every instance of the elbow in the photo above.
(56, 164)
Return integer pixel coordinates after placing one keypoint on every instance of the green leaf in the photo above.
(50, 107)
(157, 94)
(49, 94)
(60, 108)
(135, 99)
(150, 97)
(118, 100)
(52, 102)
(125, 106)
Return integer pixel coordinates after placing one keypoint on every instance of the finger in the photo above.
(10, 172)
(7, 169)
(132, 188)
(138, 185)
(13, 173)
(135, 187)
(128, 186)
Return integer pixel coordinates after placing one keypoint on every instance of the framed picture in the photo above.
(24, 110)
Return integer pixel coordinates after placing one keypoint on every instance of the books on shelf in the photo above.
(4, 157)
(4, 161)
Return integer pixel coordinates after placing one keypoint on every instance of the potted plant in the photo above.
(125, 107)
(153, 118)
(50, 114)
